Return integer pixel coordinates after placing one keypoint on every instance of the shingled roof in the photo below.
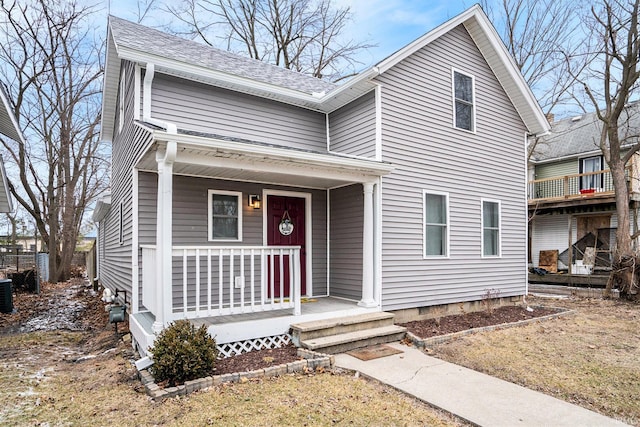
(580, 135)
(139, 37)
(187, 59)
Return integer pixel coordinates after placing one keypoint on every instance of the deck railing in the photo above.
(218, 281)
(580, 185)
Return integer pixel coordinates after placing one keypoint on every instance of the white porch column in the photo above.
(164, 241)
(367, 249)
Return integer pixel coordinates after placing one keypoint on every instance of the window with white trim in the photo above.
(225, 216)
(436, 224)
(491, 228)
(464, 101)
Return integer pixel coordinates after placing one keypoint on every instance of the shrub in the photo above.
(182, 353)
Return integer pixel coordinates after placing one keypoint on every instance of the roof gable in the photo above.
(495, 53)
(188, 59)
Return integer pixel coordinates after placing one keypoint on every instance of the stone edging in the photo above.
(311, 361)
(441, 339)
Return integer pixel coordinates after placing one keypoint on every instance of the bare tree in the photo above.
(541, 35)
(301, 35)
(52, 63)
(607, 86)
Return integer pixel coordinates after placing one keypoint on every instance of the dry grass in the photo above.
(590, 358)
(51, 388)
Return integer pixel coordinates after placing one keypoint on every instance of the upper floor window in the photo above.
(490, 228)
(464, 102)
(436, 224)
(588, 166)
(225, 215)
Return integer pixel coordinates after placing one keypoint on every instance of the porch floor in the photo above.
(238, 326)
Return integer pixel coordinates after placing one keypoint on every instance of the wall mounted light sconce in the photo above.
(254, 201)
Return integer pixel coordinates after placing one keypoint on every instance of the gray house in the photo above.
(249, 197)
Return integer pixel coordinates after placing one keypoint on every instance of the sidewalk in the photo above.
(476, 397)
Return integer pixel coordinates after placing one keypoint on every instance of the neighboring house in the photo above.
(571, 194)
(249, 197)
(10, 129)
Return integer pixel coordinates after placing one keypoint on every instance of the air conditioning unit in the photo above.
(6, 296)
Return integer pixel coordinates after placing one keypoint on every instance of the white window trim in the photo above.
(499, 203)
(473, 104)
(424, 225)
(238, 194)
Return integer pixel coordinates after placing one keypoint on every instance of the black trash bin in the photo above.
(6, 296)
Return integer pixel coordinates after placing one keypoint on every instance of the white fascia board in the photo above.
(166, 65)
(541, 125)
(421, 42)
(370, 166)
(109, 89)
(102, 208)
(477, 15)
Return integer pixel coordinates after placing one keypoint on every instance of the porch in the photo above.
(238, 333)
(205, 251)
(581, 187)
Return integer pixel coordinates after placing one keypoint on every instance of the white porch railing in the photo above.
(217, 281)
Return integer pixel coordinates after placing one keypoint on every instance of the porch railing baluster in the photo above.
(277, 275)
(197, 282)
(185, 268)
(241, 276)
(220, 282)
(231, 273)
(253, 296)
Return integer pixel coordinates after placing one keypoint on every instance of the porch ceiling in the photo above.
(241, 161)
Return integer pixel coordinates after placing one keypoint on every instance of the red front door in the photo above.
(281, 209)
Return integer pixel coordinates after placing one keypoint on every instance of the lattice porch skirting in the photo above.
(240, 347)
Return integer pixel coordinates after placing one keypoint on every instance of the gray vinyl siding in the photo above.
(127, 146)
(346, 213)
(352, 128)
(190, 222)
(202, 108)
(430, 154)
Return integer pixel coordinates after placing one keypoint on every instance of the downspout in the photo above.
(146, 102)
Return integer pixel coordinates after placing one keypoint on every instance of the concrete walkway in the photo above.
(481, 399)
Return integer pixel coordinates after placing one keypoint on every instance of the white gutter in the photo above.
(373, 166)
(146, 102)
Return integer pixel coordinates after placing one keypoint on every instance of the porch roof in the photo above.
(215, 156)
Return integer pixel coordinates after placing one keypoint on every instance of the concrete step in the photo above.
(347, 341)
(339, 325)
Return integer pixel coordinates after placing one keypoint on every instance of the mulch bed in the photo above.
(257, 360)
(456, 323)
